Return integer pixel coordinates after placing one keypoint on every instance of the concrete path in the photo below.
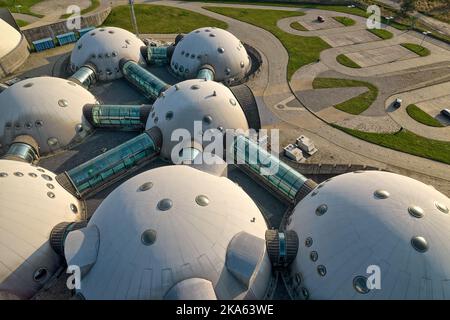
(271, 88)
(25, 17)
(415, 97)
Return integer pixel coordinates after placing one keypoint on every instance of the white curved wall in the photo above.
(359, 229)
(10, 38)
(214, 46)
(45, 108)
(31, 204)
(105, 47)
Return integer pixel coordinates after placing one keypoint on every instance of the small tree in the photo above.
(407, 6)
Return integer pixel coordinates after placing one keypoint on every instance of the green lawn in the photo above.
(346, 61)
(301, 50)
(421, 116)
(160, 19)
(21, 23)
(399, 22)
(417, 49)
(381, 33)
(406, 141)
(345, 21)
(25, 6)
(94, 5)
(298, 26)
(354, 105)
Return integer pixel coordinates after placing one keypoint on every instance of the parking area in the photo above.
(311, 23)
(349, 38)
(434, 106)
(388, 54)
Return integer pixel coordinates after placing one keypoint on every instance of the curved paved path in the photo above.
(271, 87)
(414, 97)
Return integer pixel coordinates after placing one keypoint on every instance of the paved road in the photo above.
(272, 88)
(414, 97)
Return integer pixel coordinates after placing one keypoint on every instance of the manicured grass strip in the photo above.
(355, 105)
(94, 5)
(345, 21)
(417, 49)
(160, 19)
(25, 6)
(298, 26)
(301, 50)
(21, 23)
(406, 141)
(381, 33)
(346, 61)
(421, 116)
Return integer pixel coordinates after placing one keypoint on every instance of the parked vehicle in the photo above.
(397, 103)
(446, 113)
(320, 19)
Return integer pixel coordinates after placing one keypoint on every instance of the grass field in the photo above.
(381, 33)
(94, 5)
(21, 23)
(160, 19)
(354, 105)
(25, 6)
(421, 116)
(301, 50)
(346, 61)
(399, 22)
(417, 49)
(407, 142)
(345, 21)
(298, 26)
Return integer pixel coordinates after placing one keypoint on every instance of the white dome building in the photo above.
(378, 226)
(104, 47)
(31, 204)
(10, 38)
(212, 46)
(46, 108)
(159, 236)
(210, 103)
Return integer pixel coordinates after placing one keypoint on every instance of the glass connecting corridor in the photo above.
(131, 117)
(267, 166)
(118, 160)
(150, 85)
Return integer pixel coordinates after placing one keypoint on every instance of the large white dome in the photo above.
(46, 108)
(31, 204)
(104, 47)
(209, 102)
(10, 38)
(214, 46)
(372, 218)
(159, 229)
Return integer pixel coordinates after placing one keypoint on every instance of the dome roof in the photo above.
(104, 47)
(214, 46)
(10, 38)
(46, 108)
(158, 229)
(31, 204)
(209, 102)
(358, 222)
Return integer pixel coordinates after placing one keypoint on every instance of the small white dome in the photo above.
(208, 102)
(10, 38)
(31, 204)
(104, 47)
(46, 108)
(158, 229)
(214, 46)
(372, 218)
